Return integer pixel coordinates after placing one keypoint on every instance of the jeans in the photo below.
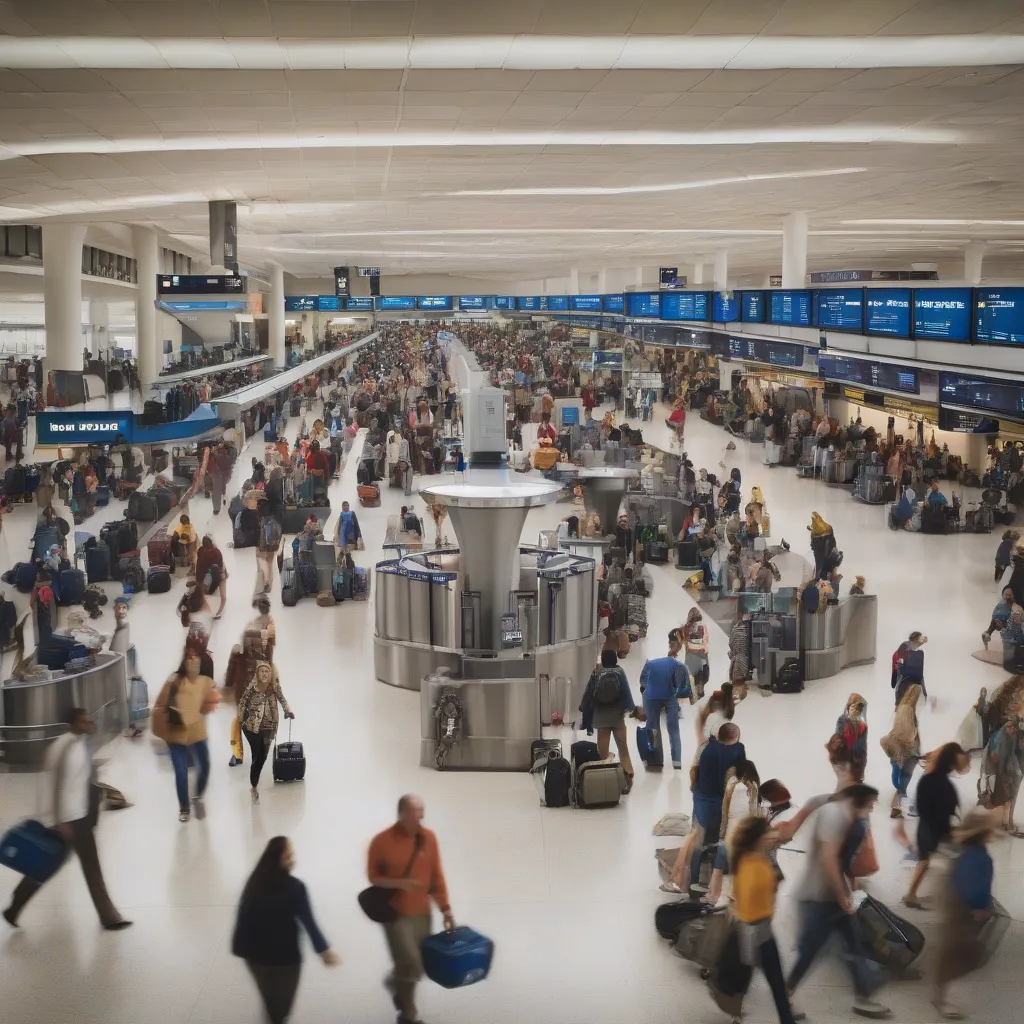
(818, 920)
(901, 776)
(653, 707)
(708, 814)
(260, 744)
(181, 756)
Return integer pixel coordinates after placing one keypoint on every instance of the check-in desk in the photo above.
(33, 712)
(843, 634)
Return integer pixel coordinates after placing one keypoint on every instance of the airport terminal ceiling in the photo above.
(465, 138)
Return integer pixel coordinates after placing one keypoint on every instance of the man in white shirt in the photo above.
(64, 806)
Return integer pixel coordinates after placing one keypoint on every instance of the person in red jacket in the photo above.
(318, 467)
(210, 571)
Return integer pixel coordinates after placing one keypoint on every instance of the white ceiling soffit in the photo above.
(516, 52)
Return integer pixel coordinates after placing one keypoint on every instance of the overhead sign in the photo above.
(53, 428)
(200, 284)
(368, 271)
(852, 276)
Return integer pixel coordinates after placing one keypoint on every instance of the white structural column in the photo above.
(574, 281)
(974, 256)
(62, 295)
(794, 250)
(275, 316)
(99, 326)
(721, 270)
(602, 280)
(697, 277)
(148, 346)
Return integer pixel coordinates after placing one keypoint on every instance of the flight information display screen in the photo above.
(777, 353)
(887, 311)
(752, 307)
(200, 284)
(999, 316)
(585, 303)
(942, 313)
(560, 303)
(791, 309)
(328, 303)
(868, 374)
(840, 309)
(643, 303)
(685, 305)
(392, 302)
(434, 302)
(998, 397)
(299, 303)
(612, 303)
(362, 302)
(531, 303)
(726, 308)
(472, 302)
(504, 302)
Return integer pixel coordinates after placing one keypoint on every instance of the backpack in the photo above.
(811, 598)
(608, 688)
(270, 534)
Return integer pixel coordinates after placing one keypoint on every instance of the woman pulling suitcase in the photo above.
(258, 714)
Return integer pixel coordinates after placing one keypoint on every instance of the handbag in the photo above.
(376, 901)
(865, 860)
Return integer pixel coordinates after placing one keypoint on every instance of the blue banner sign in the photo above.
(66, 427)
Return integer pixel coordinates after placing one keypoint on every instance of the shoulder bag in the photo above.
(376, 901)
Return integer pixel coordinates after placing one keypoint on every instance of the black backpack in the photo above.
(557, 782)
(608, 689)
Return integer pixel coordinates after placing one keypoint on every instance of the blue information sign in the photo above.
(887, 311)
(504, 302)
(643, 303)
(685, 305)
(790, 309)
(726, 308)
(390, 302)
(585, 303)
(752, 307)
(299, 303)
(612, 304)
(434, 302)
(840, 309)
(559, 303)
(472, 302)
(328, 303)
(999, 316)
(362, 302)
(84, 427)
(531, 303)
(942, 313)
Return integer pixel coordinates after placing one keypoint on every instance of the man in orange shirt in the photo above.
(405, 857)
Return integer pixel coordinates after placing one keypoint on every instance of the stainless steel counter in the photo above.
(33, 712)
(844, 634)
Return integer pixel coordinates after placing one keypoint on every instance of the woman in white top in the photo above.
(742, 800)
(719, 709)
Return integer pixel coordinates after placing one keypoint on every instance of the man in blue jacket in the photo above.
(663, 682)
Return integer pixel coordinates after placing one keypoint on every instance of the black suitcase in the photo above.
(289, 760)
(291, 586)
(889, 940)
(142, 507)
(165, 500)
(557, 782)
(159, 579)
(789, 678)
(293, 519)
(669, 918)
(152, 413)
(686, 555)
(97, 563)
(295, 407)
(130, 572)
(72, 586)
(656, 551)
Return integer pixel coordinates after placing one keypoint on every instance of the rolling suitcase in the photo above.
(158, 550)
(165, 500)
(457, 958)
(369, 495)
(293, 519)
(291, 585)
(102, 497)
(772, 453)
(888, 940)
(599, 784)
(557, 783)
(341, 584)
(72, 586)
(700, 939)
(289, 760)
(648, 744)
(656, 552)
(158, 579)
(33, 850)
(142, 507)
(138, 700)
(686, 555)
(307, 577)
(97, 563)
(669, 918)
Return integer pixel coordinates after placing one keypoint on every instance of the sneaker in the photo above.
(627, 785)
(871, 1008)
(184, 816)
(117, 926)
(677, 765)
(235, 761)
(200, 808)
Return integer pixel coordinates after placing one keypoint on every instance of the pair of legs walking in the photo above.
(604, 738)
(277, 986)
(183, 755)
(653, 708)
(260, 745)
(405, 936)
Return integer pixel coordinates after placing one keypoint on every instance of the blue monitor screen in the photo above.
(943, 313)
(434, 302)
(643, 303)
(396, 302)
(299, 303)
(864, 372)
(612, 304)
(558, 302)
(887, 311)
(685, 305)
(531, 303)
(840, 309)
(585, 303)
(570, 415)
(791, 309)
(752, 307)
(504, 302)
(364, 302)
(727, 308)
(328, 303)
(1003, 397)
(777, 353)
(472, 302)
(999, 316)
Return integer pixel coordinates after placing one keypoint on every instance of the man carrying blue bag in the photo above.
(67, 807)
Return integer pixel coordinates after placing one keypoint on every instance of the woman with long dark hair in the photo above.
(266, 934)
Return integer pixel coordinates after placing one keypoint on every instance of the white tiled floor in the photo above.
(567, 895)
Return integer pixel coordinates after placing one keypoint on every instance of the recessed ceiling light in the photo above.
(938, 222)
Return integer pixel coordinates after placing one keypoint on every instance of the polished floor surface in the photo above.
(567, 895)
